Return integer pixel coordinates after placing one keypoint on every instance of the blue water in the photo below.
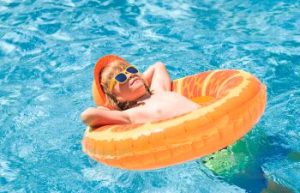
(47, 52)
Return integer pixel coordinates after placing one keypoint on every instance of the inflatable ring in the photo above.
(232, 102)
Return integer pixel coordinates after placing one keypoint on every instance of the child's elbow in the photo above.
(85, 115)
(159, 65)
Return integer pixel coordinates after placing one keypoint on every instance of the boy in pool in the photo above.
(136, 97)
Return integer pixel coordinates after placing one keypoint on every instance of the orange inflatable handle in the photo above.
(232, 102)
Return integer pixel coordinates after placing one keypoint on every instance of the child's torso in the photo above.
(162, 105)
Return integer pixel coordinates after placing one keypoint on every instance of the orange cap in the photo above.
(98, 93)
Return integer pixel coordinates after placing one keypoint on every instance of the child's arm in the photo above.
(158, 77)
(95, 117)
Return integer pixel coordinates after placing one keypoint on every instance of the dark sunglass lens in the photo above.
(132, 70)
(121, 77)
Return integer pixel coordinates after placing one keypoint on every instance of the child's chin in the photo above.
(138, 87)
(139, 93)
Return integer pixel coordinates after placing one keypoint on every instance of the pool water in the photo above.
(47, 52)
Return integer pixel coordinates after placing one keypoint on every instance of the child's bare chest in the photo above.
(162, 106)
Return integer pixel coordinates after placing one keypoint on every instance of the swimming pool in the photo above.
(47, 52)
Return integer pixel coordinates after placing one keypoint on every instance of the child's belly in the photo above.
(164, 105)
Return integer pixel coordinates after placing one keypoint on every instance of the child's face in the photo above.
(132, 89)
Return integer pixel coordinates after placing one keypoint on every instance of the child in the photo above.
(136, 97)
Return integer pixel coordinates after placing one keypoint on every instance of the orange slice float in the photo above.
(232, 102)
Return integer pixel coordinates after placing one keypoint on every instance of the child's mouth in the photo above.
(131, 82)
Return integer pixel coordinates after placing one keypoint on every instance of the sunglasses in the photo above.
(121, 77)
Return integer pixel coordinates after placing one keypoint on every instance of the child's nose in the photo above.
(128, 74)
